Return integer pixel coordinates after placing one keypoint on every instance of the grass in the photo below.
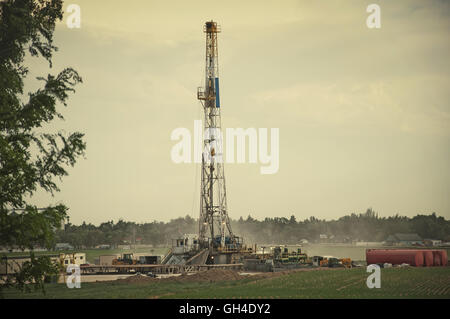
(431, 282)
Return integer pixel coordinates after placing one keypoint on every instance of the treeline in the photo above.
(355, 227)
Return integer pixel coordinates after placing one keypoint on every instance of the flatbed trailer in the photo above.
(154, 268)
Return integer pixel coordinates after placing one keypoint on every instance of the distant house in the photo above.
(404, 239)
(63, 246)
(323, 238)
(104, 246)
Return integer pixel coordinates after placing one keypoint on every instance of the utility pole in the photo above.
(213, 222)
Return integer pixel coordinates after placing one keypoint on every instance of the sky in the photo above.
(363, 113)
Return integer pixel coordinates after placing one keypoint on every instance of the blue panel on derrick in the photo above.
(216, 84)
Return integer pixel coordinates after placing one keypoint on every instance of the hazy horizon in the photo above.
(237, 219)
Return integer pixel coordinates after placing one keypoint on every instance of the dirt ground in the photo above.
(213, 275)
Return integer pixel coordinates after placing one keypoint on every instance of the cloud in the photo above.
(416, 105)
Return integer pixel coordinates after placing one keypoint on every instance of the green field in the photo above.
(338, 283)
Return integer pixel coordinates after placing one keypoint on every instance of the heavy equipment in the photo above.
(125, 259)
(282, 255)
(333, 262)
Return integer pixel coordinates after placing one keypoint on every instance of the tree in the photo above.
(292, 220)
(31, 159)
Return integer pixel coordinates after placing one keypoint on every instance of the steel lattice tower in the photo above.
(213, 222)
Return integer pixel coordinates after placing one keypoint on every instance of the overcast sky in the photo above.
(363, 114)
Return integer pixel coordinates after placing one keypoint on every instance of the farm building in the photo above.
(63, 246)
(104, 246)
(404, 239)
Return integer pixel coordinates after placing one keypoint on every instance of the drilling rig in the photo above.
(215, 242)
(215, 230)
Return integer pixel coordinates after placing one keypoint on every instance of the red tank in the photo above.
(436, 258)
(440, 257)
(444, 258)
(428, 258)
(395, 256)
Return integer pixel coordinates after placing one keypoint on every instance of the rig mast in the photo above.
(213, 222)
